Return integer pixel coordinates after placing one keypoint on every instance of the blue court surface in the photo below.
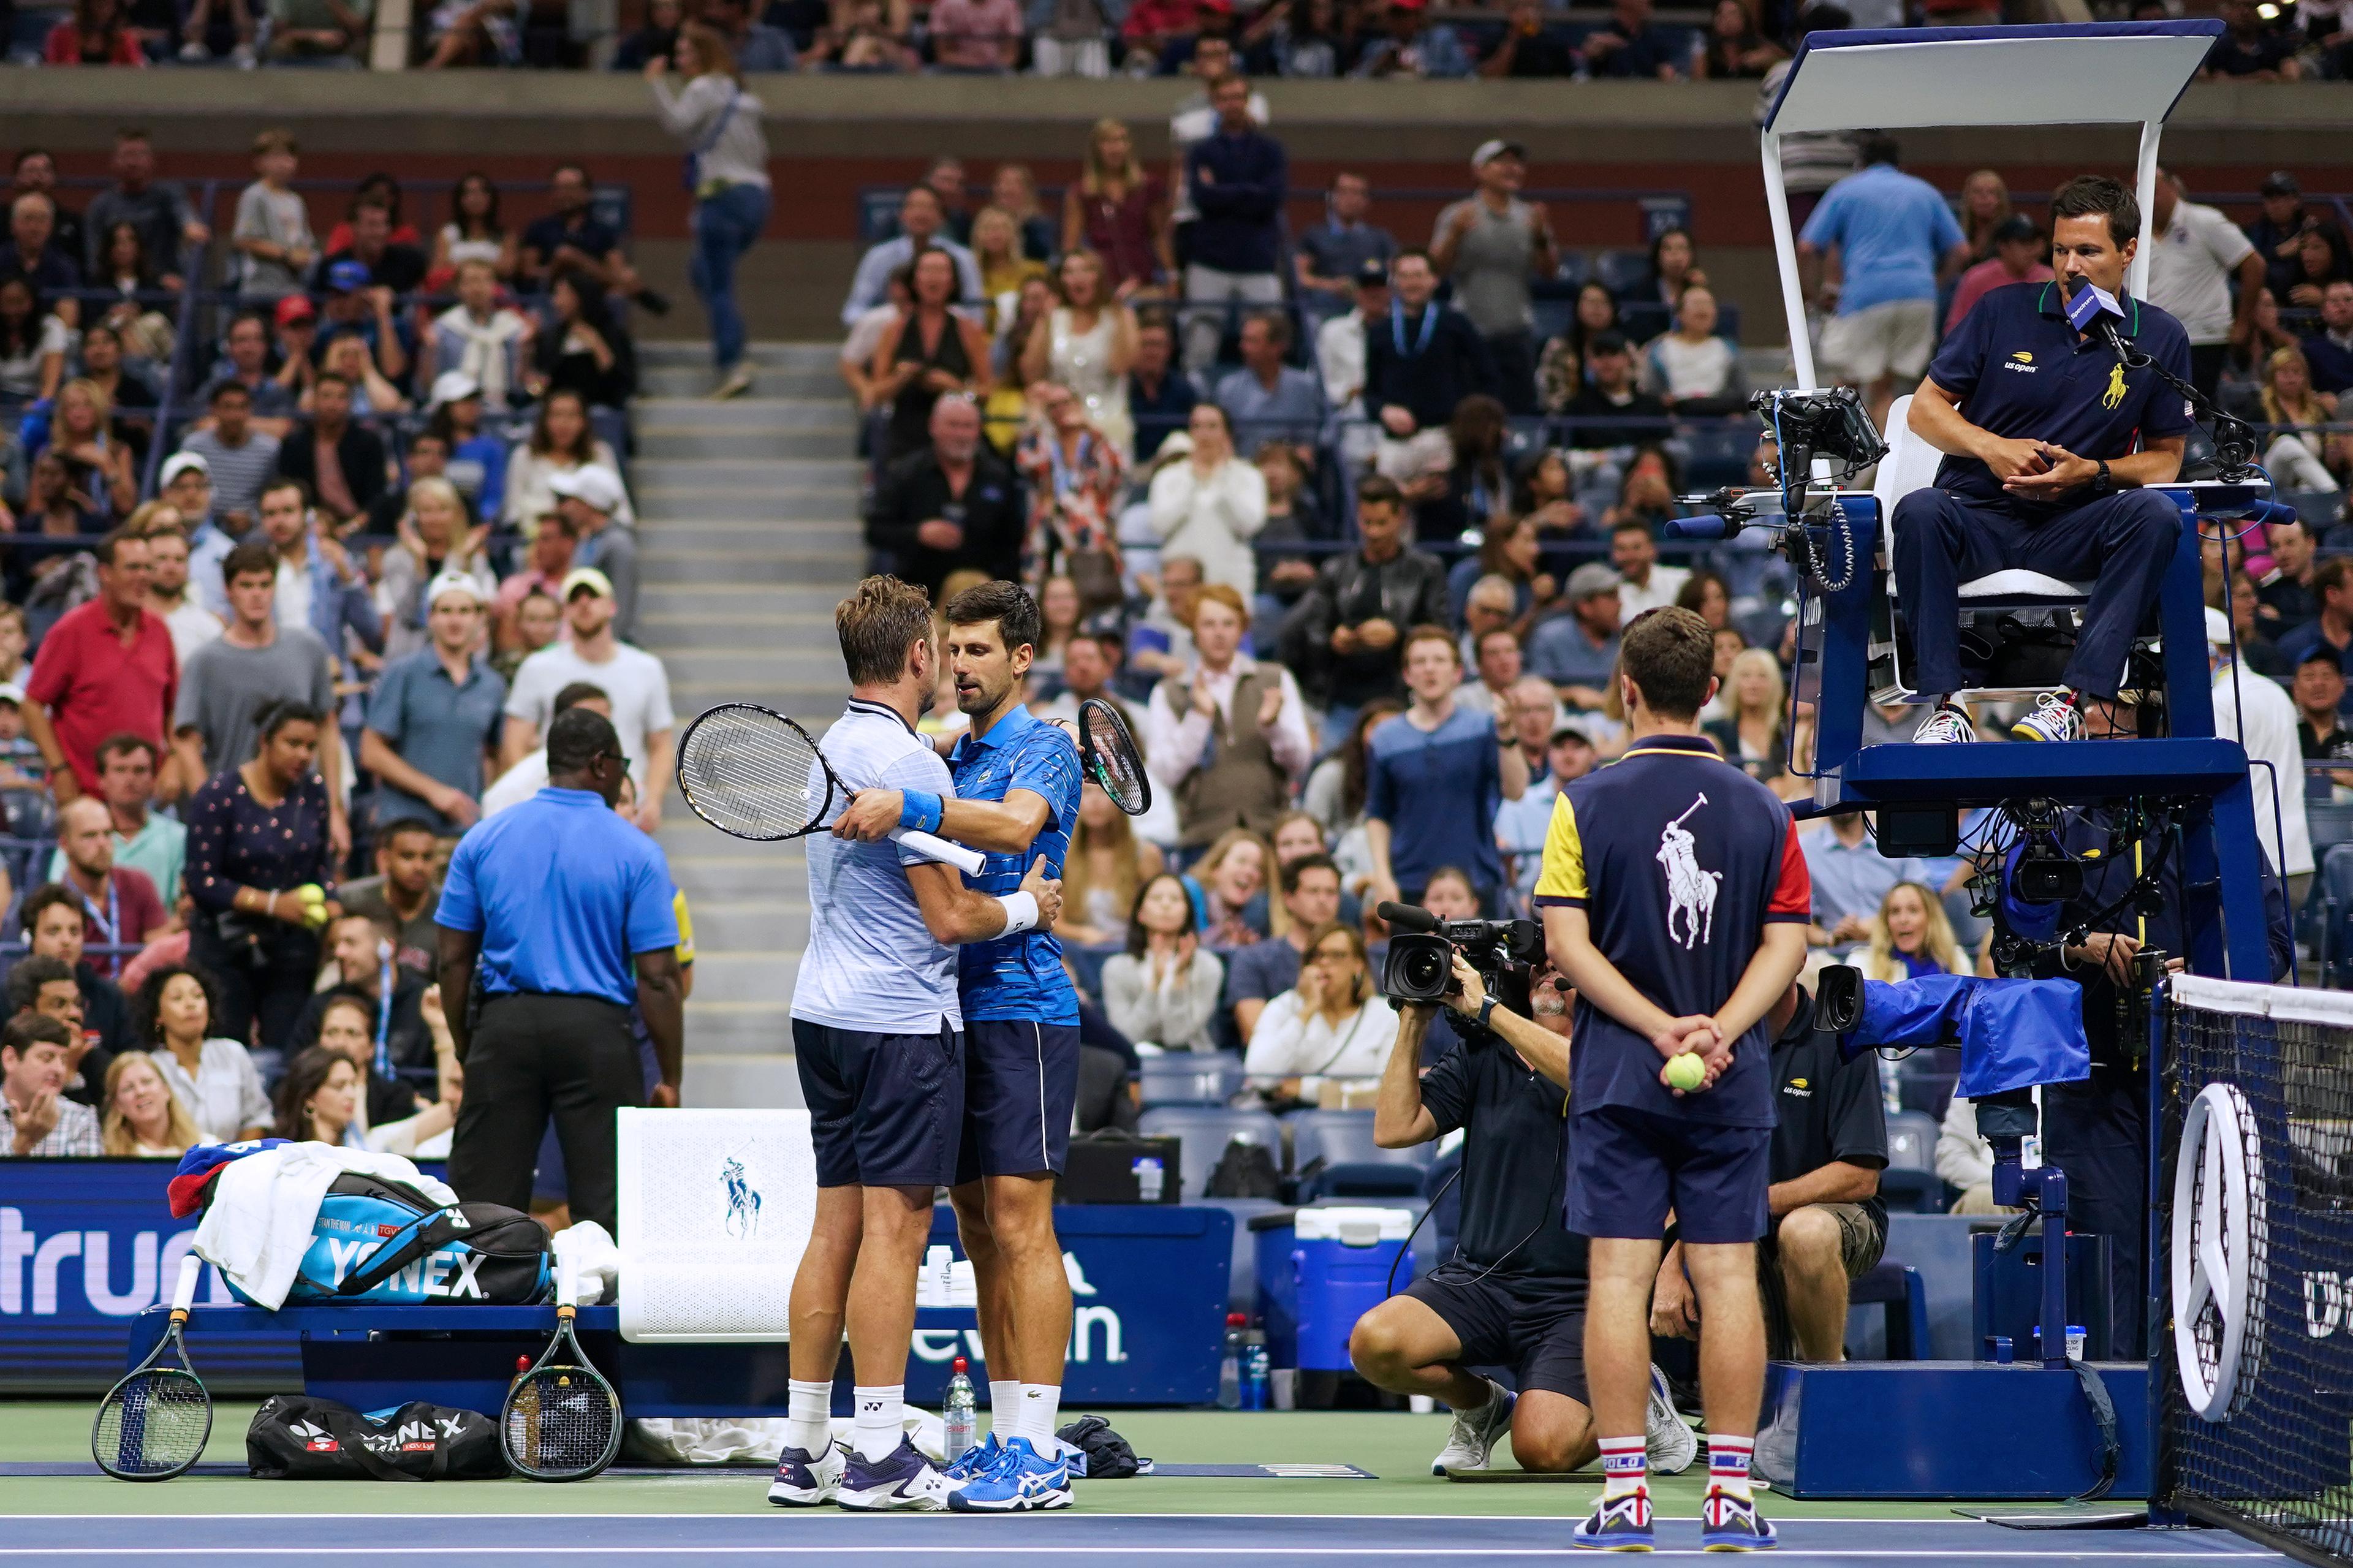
(467, 1540)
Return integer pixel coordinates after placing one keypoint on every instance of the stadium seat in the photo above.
(1336, 1155)
(1910, 1184)
(1621, 271)
(1896, 1286)
(1190, 1077)
(1203, 1132)
(1717, 453)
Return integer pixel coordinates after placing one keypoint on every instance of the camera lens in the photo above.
(1425, 970)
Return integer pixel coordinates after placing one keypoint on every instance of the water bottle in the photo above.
(1254, 1370)
(1229, 1370)
(961, 1420)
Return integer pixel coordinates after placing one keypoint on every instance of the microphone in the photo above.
(1706, 525)
(1407, 916)
(2093, 310)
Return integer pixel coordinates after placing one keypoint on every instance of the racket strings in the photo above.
(1117, 767)
(747, 773)
(561, 1421)
(154, 1422)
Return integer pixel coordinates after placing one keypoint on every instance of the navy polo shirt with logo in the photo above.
(2020, 372)
(1678, 860)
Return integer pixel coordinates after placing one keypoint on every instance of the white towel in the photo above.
(265, 1205)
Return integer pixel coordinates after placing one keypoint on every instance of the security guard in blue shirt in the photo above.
(2050, 441)
(1017, 780)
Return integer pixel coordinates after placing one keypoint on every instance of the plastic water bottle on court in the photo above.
(1254, 1370)
(960, 1419)
(1229, 1370)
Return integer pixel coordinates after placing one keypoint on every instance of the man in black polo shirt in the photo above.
(2319, 693)
(570, 239)
(1514, 1293)
(2051, 443)
(1829, 1224)
(949, 505)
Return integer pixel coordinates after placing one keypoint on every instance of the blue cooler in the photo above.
(1320, 1269)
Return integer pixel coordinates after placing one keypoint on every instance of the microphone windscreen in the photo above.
(1706, 525)
(1406, 917)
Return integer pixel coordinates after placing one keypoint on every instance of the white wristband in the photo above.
(1020, 913)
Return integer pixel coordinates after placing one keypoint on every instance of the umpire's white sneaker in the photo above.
(1476, 1433)
(805, 1482)
(1673, 1446)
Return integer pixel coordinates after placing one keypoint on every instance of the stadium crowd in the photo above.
(1401, 39)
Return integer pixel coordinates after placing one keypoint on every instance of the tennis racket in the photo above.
(154, 1423)
(753, 773)
(561, 1420)
(1110, 754)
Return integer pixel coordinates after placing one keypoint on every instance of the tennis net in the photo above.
(2254, 1361)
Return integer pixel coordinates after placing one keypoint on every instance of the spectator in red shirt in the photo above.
(2019, 256)
(93, 34)
(106, 667)
(975, 35)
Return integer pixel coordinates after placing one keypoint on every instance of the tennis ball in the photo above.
(312, 893)
(1686, 1072)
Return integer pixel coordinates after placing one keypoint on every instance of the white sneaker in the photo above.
(1948, 724)
(1670, 1445)
(2055, 718)
(805, 1482)
(195, 52)
(738, 382)
(242, 57)
(1476, 1433)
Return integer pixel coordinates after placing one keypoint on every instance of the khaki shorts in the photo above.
(1894, 339)
(1861, 1243)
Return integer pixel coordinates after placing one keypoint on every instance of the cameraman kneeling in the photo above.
(1514, 1293)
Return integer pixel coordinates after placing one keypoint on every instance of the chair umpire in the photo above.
(564, 908)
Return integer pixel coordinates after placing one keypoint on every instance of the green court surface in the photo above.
(1397, 1448)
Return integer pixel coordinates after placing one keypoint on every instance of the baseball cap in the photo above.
(586, 577)
(594, 483)
(453, 386)
(1492, 149)
(2016, 227)
(2280, 182)
(452, 582)
(2218, 628)
(179, 463)
(347, 276)
(295, 308)
(1372, 274)
(1566, 730)
(11, 692)
(1591, 579)
(1609, 343)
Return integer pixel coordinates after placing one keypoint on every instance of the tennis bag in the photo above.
(297, 1438)
(385, 1242)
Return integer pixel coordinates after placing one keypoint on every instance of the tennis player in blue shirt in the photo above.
(1017, 798)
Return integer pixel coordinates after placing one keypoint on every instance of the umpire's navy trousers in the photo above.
(2119, 542)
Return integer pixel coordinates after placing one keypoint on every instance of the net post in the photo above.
(2155, 1320)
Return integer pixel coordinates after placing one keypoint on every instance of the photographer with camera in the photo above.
(1513, 1295)
(1644, 858)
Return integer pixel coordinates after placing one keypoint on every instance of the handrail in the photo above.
(182, 352)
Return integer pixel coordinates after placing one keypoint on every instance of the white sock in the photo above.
(808, 1416)
(1004, 1407)
(876, 1427)
(1041, 1408)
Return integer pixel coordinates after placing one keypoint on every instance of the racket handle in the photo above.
(183, 1293)
(933, 847)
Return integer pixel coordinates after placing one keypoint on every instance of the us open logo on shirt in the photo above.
(2021, 360)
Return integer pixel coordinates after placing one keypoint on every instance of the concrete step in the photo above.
(750, 446)
(813, 665)
(738, 974)
(743, 924)
(794, 356)
(775, 563)
(739, 870)
(727, 629)
(768, 1083)
(832, 501)
(696, 381)
(661, 416)
(745, 535)
(662, 598)
(718, 1027)
(770, 476)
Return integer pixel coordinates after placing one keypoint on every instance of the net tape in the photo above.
(2256, 1375)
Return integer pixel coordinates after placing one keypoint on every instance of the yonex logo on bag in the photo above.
(315, 1439)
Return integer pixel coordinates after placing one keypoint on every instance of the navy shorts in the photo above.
(1020, 1085)
(884, 1110)
(1628, 1167)
(1536, 1326)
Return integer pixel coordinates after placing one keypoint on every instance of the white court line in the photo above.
(523, 1515)
(1435, 1549)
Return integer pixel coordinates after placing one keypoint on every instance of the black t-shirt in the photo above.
(1514, 1159)
(588, 235)
(2283, 604)
(1826, 1109)
(411, 1041)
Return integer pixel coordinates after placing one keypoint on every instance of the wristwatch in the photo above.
(2104, 483)
(1486, 1010)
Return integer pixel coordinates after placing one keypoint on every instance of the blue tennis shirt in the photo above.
(1890, 230)
(564, 891)
(1020, 976)
(1437, 790)
(2020, 371)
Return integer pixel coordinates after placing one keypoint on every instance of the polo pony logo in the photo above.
(1691, 892)
(2115, 392)
(742, 1202)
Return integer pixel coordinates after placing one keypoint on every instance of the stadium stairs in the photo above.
(748, 512)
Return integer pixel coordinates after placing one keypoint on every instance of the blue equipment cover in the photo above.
(2013, 1034)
